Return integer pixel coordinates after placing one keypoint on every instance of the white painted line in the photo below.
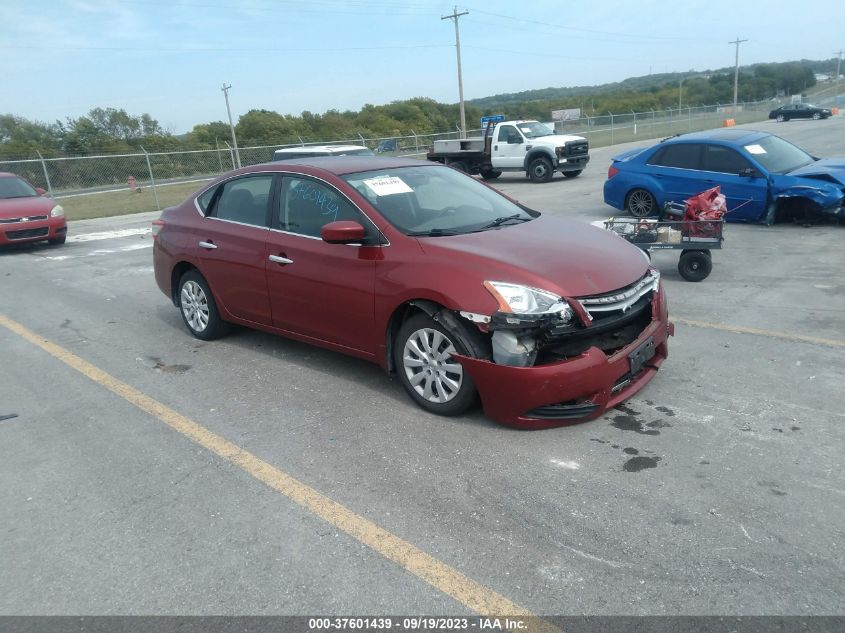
(100, 252)
(569, 465)
(108, 235)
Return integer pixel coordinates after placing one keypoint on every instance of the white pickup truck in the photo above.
(527, 146)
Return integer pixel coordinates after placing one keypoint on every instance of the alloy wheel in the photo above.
(428, 365)
(195, 306)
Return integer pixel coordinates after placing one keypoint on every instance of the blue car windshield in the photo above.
(778, 156)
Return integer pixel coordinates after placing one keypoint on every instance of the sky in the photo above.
(169, 58)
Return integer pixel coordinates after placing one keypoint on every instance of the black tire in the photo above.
(540, 170)
(695, 265)
(459, 165)
(641, 204)
(780, 118)
(816, 116)
(56, 241)
(490, 174)
(430, 372)
(572, 174)
(198, 309)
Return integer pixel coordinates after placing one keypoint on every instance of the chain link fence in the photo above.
(91, 186)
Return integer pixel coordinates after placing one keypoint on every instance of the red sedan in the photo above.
(455, 288)
(28, 214)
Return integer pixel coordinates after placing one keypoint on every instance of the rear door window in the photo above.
(680, 155)
(243, 200)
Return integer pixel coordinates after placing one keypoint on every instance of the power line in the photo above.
(581, 29)
(219, 50)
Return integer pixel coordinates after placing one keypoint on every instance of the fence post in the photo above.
(231, 154)
(362, 139)
(635, 122)
(152, 178)
(46, 175)
(301, 142)
(219, 157)
(611, 127)
(416, 142)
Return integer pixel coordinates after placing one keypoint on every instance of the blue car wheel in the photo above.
(641, 204)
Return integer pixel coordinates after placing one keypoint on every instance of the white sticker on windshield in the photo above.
(525, 130)
(387, 185)
(755, 149)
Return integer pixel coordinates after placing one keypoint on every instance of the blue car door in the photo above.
(676, 168)
(745, 188)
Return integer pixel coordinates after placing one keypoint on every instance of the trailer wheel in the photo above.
(695, 265)
(540, 170)
(459, 165)
(490, 174)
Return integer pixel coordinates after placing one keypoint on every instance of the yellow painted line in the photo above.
(439, 575)
(799, 338)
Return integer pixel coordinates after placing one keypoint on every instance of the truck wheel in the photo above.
(572, 174)
(540, 170)
(459, 165)
(490, 174)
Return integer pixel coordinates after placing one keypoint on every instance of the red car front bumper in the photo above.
(32, 231)
(573, 390)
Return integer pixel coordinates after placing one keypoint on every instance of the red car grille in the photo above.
(27, 233)
(32, 218)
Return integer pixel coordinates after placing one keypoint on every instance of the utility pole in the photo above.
(737, 41)
(455, 15)
(838, 64)
(225, 90)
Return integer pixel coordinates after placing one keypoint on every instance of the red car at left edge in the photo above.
(28, 214)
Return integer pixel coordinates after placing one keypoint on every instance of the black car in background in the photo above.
(799, 111)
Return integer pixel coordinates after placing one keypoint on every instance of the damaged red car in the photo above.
(459, 291)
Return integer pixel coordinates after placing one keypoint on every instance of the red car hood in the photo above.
(567, 257)
(25, 207)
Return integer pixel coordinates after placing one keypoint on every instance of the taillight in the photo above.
(158, 225)
(611, 172)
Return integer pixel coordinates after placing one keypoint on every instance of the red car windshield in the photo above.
(16, 188)
(434, 200)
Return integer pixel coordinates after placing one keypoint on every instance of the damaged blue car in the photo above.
(764, 178)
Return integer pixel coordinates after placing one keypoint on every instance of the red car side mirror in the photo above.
(40, 191)
(342, 232)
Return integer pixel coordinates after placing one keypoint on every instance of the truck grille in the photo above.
(574, 149)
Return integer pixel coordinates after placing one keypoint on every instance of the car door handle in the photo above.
(280, 260)
(208, 245)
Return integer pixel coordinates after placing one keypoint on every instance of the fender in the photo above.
(536, 152)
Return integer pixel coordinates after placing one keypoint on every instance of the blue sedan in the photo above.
(764, 178)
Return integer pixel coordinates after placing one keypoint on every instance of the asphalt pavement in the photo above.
(717, 490)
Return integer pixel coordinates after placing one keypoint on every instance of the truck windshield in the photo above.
(532, 129)
(435, 201)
